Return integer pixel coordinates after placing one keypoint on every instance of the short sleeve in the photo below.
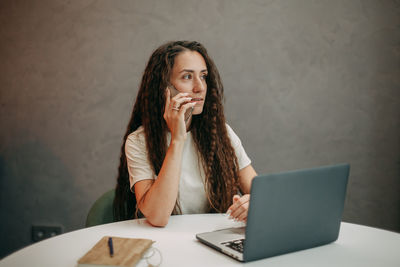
(136, 153)
(241, 155)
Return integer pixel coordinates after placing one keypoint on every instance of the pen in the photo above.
(110, 246)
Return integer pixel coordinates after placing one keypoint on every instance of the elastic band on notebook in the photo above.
(149, 258)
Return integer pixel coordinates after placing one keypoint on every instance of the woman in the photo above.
(178, 155)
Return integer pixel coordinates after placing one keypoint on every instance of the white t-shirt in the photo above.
(192, 195)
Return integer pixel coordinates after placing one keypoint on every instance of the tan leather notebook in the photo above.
(126, 252)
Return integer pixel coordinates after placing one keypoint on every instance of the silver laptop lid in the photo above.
(295, 210)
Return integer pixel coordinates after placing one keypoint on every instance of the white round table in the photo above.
(357, 245)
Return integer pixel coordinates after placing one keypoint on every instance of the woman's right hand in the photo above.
(174, 114)
(240, 207)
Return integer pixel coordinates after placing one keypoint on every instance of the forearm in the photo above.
(158, 202)
(246, 175)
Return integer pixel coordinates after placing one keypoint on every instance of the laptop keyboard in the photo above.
(235, 245)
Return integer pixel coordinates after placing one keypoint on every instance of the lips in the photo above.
(196, 99)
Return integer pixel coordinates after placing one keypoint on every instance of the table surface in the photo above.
(357, 245)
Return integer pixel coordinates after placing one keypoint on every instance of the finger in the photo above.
(243, 216)
(240, 205)
(229, 210)
(184, 107)
(180, 101)
(179, 95)
(234, 205)
(241, 211)
(237, 201)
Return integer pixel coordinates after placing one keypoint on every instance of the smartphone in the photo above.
(174, 92)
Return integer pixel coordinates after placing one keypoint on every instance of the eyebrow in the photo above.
(191, 71)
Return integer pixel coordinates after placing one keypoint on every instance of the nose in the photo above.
(199, 85)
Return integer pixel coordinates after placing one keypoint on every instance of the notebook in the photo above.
(289, 211)
(126, 252)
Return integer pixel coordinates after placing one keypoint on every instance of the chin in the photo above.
(197, 110)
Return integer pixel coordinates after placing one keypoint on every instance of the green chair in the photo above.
(102, 210)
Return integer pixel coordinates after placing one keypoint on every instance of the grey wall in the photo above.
(307, 83)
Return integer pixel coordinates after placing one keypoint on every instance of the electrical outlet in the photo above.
(41, 232)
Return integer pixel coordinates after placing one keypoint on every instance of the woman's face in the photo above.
(189, 75)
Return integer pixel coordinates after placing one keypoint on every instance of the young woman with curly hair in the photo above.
(178, 154)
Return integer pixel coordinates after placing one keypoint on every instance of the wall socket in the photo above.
(41, 232)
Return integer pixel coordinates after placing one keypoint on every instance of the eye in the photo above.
(187, 76)
(204, 76)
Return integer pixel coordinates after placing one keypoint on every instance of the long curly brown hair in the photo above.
(208, 130)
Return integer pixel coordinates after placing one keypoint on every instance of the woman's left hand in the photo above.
(238, 210)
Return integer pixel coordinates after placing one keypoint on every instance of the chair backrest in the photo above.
(101, 211)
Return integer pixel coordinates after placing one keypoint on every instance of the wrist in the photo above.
(177, 142)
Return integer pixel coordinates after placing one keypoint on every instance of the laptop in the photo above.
(289, 211)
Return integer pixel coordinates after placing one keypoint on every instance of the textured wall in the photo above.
(307, 83)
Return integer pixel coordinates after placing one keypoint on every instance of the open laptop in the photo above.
(288, 212)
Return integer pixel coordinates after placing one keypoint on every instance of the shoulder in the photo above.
(229, 128)
(136, 138)
(138, 134)
(241, 155)
(230, 131)
(235, 140)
